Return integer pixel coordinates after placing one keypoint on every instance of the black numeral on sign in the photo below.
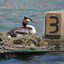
(54, 24)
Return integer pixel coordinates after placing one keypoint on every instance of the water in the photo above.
(15, 10)
(47, 58)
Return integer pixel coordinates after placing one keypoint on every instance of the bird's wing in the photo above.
(22, 31)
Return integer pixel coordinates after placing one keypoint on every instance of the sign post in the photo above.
(53, 25)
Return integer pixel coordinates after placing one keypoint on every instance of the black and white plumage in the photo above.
(26, 29)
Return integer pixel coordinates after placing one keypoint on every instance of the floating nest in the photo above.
(21, 43)
(28, 42)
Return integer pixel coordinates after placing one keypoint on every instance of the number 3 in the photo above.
(54, 24)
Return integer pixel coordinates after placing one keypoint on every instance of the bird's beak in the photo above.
(31, 20)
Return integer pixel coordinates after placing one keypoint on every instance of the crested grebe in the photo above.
(26, 29)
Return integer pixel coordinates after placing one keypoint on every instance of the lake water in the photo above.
(47, 58)
(15, 10)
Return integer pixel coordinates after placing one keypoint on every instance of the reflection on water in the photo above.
(47, 58)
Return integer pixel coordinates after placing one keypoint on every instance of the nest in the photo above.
(21, 43)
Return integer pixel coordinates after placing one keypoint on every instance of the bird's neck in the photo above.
(24, 24)
(32, 27)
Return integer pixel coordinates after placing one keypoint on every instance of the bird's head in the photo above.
(26, 20)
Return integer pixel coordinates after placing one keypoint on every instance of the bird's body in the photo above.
(26, 29)
(22, 31)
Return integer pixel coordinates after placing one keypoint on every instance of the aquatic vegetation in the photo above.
(22, 42)
(28, 42)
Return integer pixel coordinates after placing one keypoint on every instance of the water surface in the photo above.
(47, 58)
(15, 10)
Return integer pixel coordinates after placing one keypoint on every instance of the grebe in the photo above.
(26, 29)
